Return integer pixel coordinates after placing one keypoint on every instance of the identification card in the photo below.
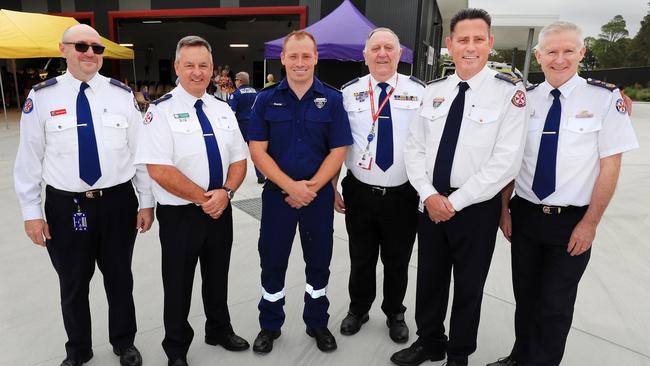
(79, 221)
(365, 161)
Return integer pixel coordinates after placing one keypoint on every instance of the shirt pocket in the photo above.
(481, 128)
(579, 136)
(403, 110)
(317, 124)
(279, 126)
(61, 134)
(188, 139)
(115, 131)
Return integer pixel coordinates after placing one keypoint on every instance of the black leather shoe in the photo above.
(69, 361)
(506, 361)
(324, 338)
(264, 340)
(455, 363)
(398, 330)
(415, 355)
(352, 323)
(177, 362)
(231, 342)
(129, 356)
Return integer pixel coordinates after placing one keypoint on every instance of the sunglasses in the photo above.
(83, 47)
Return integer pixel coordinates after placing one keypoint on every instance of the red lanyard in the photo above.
(382, 103)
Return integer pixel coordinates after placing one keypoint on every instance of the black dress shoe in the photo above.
(264, 340)
(129, 356)
(506, 361)
(398, 330)
(231, 342)
(352, 323)
(455, 363)
(415, 355)
(69, 361)
(324, 338)
(177, 362)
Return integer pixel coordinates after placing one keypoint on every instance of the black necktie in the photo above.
(447, 148)
(89, 169)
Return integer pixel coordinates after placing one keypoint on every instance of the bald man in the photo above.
(77, 136)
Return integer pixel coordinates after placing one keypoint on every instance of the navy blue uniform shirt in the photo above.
(300, 133)
(241, 102)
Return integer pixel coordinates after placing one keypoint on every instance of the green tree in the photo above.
(614, 30)
(611, 47)
(639, 50)
(589, 62)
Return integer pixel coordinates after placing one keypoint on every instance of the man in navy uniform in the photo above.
(196, 156)
(298, 135)
(465, 146)
(380, 204)
(241, 102)
(77, 135)
(577, 134)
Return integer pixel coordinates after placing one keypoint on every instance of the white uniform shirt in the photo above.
(172, 135)
(591, 128)
(48, 149)
(404, 104)
(490, 143)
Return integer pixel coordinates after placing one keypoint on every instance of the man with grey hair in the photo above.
(192, 148)
(578, 132)
(77, 135)
(241, 102)
(379, 203)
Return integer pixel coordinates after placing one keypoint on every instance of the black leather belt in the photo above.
(448, 192)
(92, 194)
(552, 210)
(379, 190)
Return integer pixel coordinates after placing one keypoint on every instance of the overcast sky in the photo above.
(590, 15)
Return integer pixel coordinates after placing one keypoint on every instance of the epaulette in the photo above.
(162, 99)
(436, 80)
(44, 84)
(219, 99)
(270, 86)
(531, 87)
(331, 87)
(120, 85)
(507, 77)
(413, 78)
(349, 83)
(602, 84)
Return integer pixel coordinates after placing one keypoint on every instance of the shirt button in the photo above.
(118, 125)
(581, 129)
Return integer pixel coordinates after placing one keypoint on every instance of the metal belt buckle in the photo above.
(551, 210)
(379, 190)
(94, 194)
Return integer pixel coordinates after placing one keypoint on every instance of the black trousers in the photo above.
(188, 235)
(108, 242)
(379, 225)
(464, 245)
(545, 280)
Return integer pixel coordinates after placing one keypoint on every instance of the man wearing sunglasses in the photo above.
(77, 135)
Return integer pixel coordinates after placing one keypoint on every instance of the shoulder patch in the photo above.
(120, 85)
(531, 87)
(270, 86)
(44, 84)
(331, 87)
(436, 80)
(416, 80)
(162, 99)
(507, 77)
(349, 83)
(602, 84)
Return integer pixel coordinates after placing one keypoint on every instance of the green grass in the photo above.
(638, 94)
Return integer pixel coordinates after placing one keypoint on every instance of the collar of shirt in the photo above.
(392, 81)
(93, 83)
(476, 80)
(316, 86)
(188, 98)
(565, 88)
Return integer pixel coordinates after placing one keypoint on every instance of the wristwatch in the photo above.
(229, 192)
